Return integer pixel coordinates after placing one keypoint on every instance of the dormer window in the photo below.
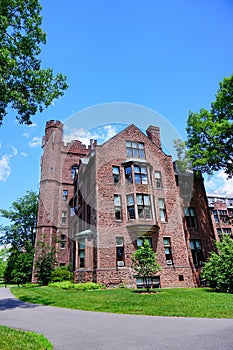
(135, 149)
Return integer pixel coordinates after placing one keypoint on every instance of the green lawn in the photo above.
(185, 302)
(18, 340)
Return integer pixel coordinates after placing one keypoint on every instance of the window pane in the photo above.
(192, 245)
(140, 145)
(137, 178)
(144, 179)
(139, 199)
(141, 153)
(130, 199)
(128, 170)
(136, 169)
(146, 200)
(117, 200)
(115, 170)
(134, 144)
(166, 241)
(167, 250)
(157, 175)
(161, 203)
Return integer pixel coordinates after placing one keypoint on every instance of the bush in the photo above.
(61, 273)
(68, 285)
(65, 285)
(87, 286)
(218, 270)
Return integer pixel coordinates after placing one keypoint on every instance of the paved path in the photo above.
(72, 330)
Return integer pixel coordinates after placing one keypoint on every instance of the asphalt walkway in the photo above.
(72, 329)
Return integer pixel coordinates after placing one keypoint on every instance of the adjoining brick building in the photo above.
(97, 203)
(221, 211)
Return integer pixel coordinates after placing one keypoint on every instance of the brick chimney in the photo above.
(153, 133)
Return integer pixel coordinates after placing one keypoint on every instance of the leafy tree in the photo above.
(20, 235)
(218, 270)
(4, 253)
(45, 265)
(144, 262)
(24, 85)
(210, 133)
(183, 162)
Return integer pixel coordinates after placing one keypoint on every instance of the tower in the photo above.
(59, 162)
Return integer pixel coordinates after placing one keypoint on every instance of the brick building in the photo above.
(97, 203)
(221, 211)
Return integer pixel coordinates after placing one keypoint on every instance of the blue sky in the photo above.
(168, 56)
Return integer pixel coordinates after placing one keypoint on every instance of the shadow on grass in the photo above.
(144, 291)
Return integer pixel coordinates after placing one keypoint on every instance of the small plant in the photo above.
(61, 273)
(87, 286)
(68, 285)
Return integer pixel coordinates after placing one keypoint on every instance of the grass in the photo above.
(182, 302)
(18, 340)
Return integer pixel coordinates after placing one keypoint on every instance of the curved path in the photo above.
(72, 329)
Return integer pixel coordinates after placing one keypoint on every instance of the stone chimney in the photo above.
(153, 133)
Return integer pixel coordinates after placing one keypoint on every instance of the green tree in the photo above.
(45, 265)
(24, 85)
(144, 262)
(210, 140)
(218, 270)
(4, 253)
(183, 163)
(20, 235)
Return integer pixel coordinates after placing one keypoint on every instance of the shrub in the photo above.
(67, 285)
(218, 270)
(87, 286)
(61, 273)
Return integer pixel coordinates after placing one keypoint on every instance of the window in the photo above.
(158, 179)
(65, 195)
(74, 170)
(63, 241)
(116, 174)
(143, 206)
(190, 217)
(81, 252)
(162, 210)
(117, 207)
(128, 174)
(135, 149)
(140, 175)
(130, 207)
(219, 231)
(226, 230)
(223, 215)
(140, 241)
(168, 250)
(120, 251)
(215, 214)
(63, 217)
(195, 246)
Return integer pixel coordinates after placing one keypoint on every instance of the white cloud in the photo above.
(36, 141)
(26, 135)
(5, 169)
(101, 134)
(219, 184)
(14, 150)
(24, 154)
(33, 125)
